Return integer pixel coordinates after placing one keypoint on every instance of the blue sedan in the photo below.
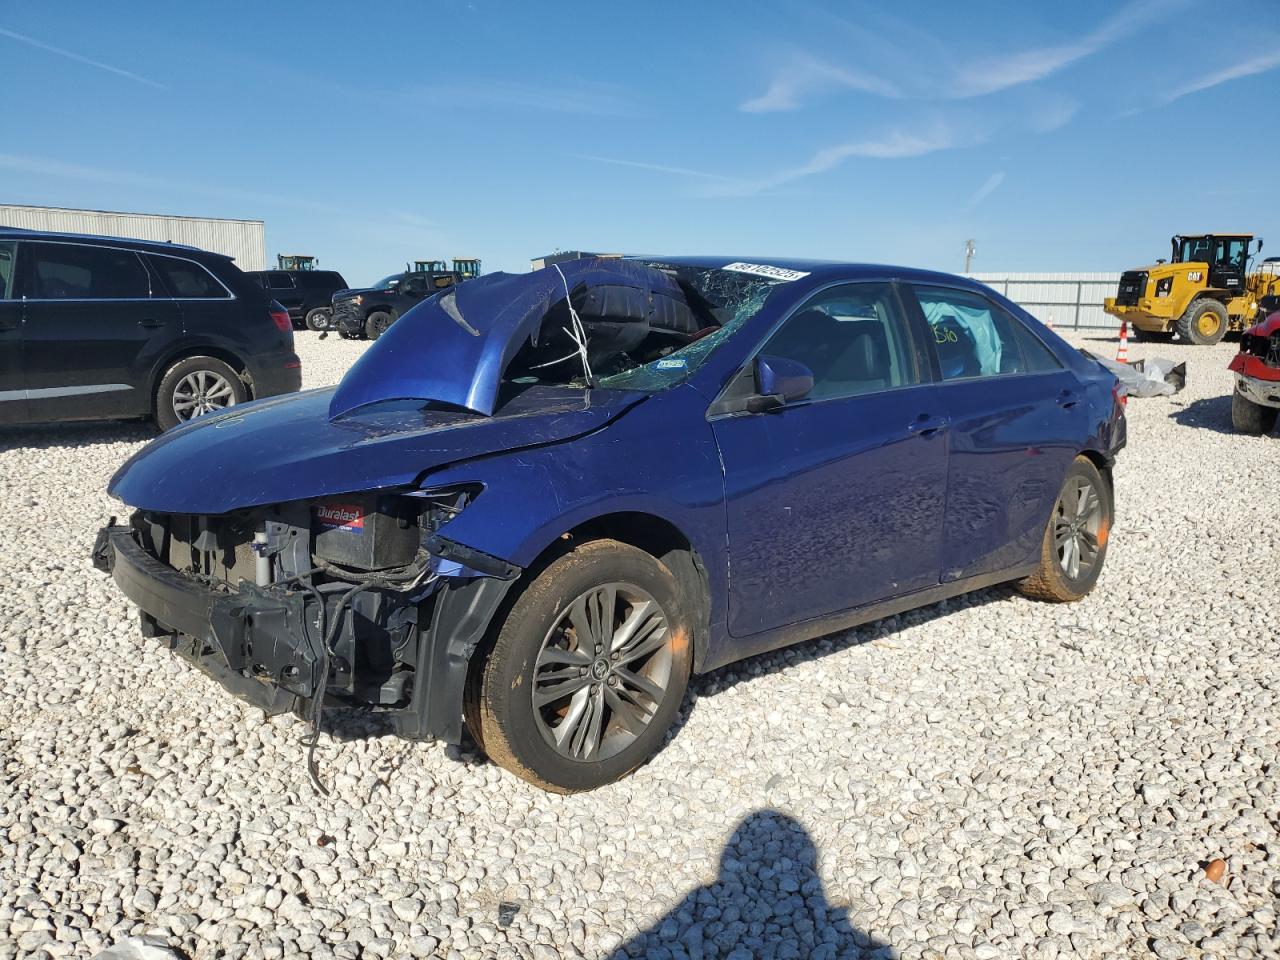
(540, 502)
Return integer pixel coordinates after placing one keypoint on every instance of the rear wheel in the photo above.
(377, 323)
(196, 386)
(321, 318)
(1075, 540)
(1204, 323)
(587, 671)
(1252, 418)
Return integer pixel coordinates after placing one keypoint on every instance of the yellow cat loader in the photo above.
(1205, 290)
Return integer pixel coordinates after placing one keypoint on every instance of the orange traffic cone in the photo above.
(1049, 322)
(1122, 352)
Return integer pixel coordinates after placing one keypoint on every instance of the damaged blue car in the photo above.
(540, 502)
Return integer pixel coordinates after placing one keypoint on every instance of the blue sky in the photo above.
(1060, 136)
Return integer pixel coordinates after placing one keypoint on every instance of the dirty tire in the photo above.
(500, 713)
(1051, 581)
(1251, 418)
(377, 323)
(166, 416)
(319, 319)
(1197, 324)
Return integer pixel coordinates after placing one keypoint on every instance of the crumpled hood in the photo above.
(453, 348)
(287, 448)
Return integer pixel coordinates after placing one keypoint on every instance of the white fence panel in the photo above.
(1070, 300)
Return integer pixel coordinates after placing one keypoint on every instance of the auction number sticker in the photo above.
(764, 270)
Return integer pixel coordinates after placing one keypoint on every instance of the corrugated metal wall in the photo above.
(1069, 300)
(242, 239)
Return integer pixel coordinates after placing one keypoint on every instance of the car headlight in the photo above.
(1164, 286)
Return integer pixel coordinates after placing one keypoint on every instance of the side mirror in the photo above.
(779, 381)
(1258, 241)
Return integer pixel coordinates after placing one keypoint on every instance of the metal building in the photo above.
(242, 239)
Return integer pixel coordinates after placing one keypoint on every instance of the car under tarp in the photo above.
(551, 325)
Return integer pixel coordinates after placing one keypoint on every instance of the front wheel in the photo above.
(1204, 323)
(587, 671)
(377, 324)
(196, 386)
(1075, 539)
(1251, 418)
(321, 318)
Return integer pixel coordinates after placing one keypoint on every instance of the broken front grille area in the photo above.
(270, 633)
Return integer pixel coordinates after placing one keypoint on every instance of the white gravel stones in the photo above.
(989, 777)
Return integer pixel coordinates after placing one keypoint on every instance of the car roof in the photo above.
(149, 246)
(819, 269)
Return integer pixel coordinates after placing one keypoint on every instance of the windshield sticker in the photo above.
(764, 270)
(672, 363)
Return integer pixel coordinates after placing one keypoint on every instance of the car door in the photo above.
(90, 329)
(1017, 420)
(282, 288)
(13, 394)
(833, 501)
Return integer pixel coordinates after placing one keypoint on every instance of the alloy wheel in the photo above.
(1078, 528)
(603, 670)
(201, 392)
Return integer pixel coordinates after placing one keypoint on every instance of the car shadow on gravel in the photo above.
(1209, 413)
(766, 901)
(50, 435)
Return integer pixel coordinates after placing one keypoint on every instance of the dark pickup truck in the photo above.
(306, 294)
(368, 312)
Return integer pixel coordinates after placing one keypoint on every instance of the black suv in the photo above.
(368, 312)
(102, 328)
(306, 294)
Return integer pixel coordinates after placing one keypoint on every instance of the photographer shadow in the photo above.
(767, 901)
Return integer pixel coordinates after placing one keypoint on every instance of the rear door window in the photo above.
(973, 337)
(277, 280)
(188, 280)
(69, 271)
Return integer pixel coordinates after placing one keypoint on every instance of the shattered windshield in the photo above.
(718, 302)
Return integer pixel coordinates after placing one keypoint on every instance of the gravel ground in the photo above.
(989, 777)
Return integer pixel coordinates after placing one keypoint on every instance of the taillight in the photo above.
(281, 317)
(1120, 394)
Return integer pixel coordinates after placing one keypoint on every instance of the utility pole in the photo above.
(969, 249)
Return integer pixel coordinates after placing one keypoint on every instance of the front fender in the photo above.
(659, 459)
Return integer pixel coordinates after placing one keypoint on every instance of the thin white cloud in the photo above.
(590, 99)
(993, 74)
(1053, 115)
(1248, 68)
(895, 145)
(989, 186)
(658, 168)
(41, 166)
(49, 48)
(804, 74)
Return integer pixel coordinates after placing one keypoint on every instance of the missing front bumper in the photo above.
(264, 646)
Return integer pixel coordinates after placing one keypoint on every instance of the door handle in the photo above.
(1067, 399)
(926, 426)
(152, 324)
